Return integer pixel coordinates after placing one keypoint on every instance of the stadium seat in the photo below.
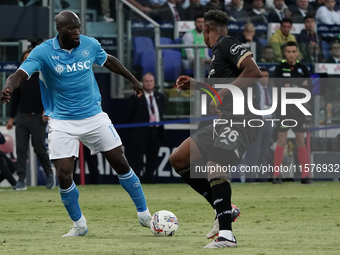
(148, 62)
(141, 44)
(172, 63)
(325, 49)
(264, 42)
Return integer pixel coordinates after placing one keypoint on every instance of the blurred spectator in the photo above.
(7, 167)
(28, 112)
(145, 140)
(270, 4)
(106, 10)
(194, 9)
(258, 14)
(258, 150)
(301, 10)
(307, 35)
(279, 12)
(168, 12)
(327, 15)
(141, 5)
(248, 36)
(213, 5)
(335, 52)
(268, 54)
(235, 12)
(195, 36)
(281, 37)
(313, 54)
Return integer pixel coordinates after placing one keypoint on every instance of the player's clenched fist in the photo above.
(5, 95)
(185, 82)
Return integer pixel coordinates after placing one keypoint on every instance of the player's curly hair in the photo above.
(217, 18)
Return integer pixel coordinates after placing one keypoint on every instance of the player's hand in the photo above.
(213, 108)
(305, 83)
(5, 95)
(137, 88)
(9, 124)
(185, 82)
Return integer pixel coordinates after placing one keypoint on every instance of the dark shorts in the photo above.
(223, 144)
(300, 124)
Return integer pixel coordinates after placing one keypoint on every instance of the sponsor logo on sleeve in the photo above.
(234, 49)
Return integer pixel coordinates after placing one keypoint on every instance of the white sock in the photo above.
(228, 234)
(144, 214)
(81, 222)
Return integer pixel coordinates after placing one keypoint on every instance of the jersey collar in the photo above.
(56, 44)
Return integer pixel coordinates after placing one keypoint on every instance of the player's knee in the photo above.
(175, 162)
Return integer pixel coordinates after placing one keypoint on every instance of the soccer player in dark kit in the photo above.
(232, 64)
(291, 73)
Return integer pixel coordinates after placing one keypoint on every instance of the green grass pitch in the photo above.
(275, 219)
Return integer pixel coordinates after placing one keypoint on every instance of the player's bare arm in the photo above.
(250, 73)
(12, 83)
(114, 65)
(185, 82)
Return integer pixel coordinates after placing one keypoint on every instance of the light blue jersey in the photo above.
(69, 89)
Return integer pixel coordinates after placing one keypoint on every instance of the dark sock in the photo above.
(202, 186)
(221, 193)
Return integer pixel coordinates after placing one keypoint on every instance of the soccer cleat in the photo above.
(20, 186)
(146, 222)
(235, 213)
(216, 228)
(77, 231)
(50, 181)
(306, 180)
(221, 242)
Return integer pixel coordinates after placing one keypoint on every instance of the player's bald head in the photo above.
(66, 17)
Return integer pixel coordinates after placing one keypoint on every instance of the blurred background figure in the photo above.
(255, 156)
(235, 12)
(248, 36)
(278, 12)
(301, 10)
(307, 35)
(28, 112)
(195, 36)
(145, 140)
(258, 14)
(281, 37)
(7, 167)
(313, 54)
(335, 52)
(268, 54)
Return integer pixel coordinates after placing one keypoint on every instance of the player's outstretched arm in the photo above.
(114, 65)
(13, 81)
(185, 82)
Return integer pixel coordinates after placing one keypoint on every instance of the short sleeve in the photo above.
(234, 51)
(101, 55)
(33, 63)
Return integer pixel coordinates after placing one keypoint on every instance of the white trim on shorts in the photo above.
(96, 132)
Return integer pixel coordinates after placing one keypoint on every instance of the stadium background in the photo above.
(22, 26)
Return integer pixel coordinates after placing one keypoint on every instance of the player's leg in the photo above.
(100, 136)
(278, 155)
(221, 193)
(302, 156)
(69, 194)
(130, 182)
(64, 148)
(181, 160)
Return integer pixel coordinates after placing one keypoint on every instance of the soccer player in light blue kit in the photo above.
(72, 100)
